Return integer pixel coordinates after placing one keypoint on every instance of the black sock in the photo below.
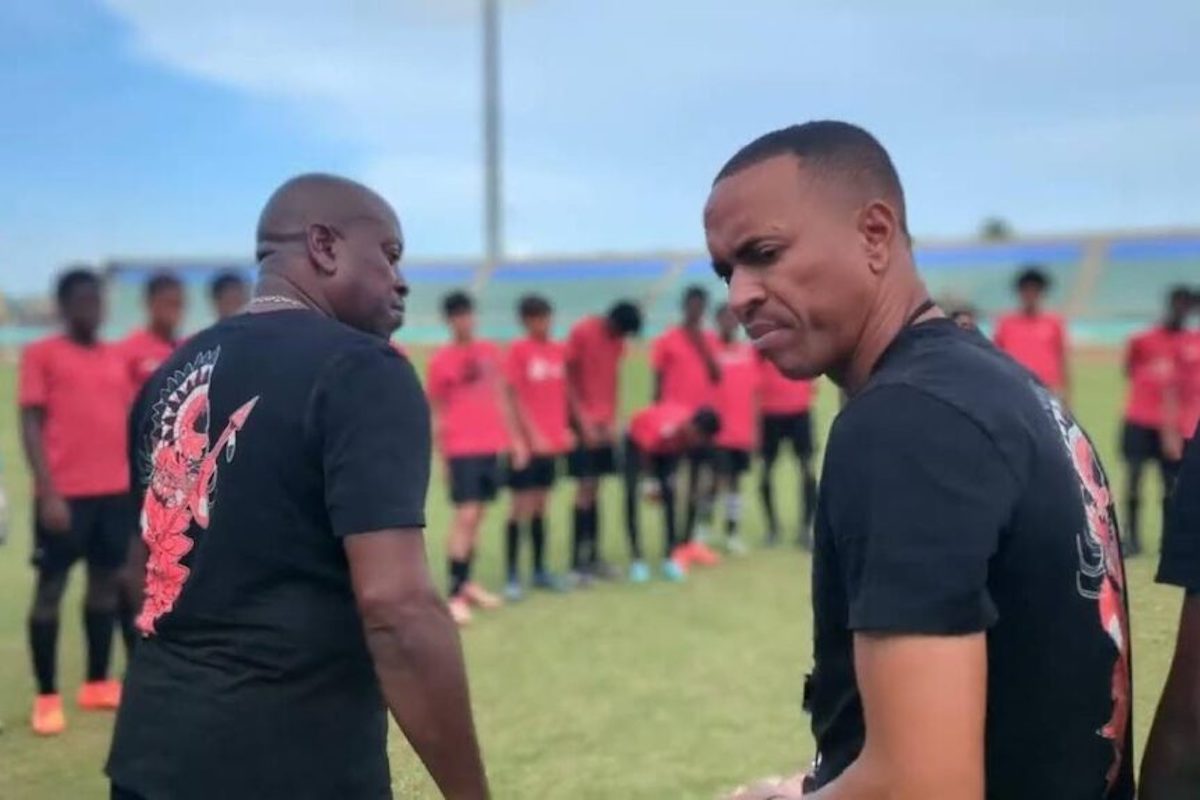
(460, 571)
(1131, 521)
(512, 549)
(98, 628)
(766, 492)
(537, 535)
(126, 614)
(578, 536)
(43, 646)
(593, 535)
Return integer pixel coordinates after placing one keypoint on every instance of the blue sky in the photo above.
(150, 128)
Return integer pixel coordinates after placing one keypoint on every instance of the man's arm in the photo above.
(418, 659)
(1171, 767)
(52, 509)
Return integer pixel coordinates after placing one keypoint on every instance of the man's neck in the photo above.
(464, 340)
(166, 334)
(882, 327)
(277, 284)
(84, 338)
(1032, 312)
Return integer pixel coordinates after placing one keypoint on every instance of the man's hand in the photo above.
(54, 514)
(1172, 444)
(520, 455)
(771, 789)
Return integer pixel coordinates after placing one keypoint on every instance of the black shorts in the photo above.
(1140, 442)
(539, 473)
(794, 428)
(732, 463)
(101, 529)
(592, 462)
(474, 479)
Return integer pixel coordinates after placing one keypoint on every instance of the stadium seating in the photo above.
(1139, 272)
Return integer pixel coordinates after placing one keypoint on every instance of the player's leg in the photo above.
(99, 621)
(735, 463)
(1169, 471)
(54, 553)
(674, 565)
(543, 578)
(587, 489)
(518, 520)
(770, 438)
(700, 502)
(804, 445)
(486, 486)
(631, 474)
(1137, 447)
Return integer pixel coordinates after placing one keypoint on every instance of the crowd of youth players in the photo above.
(510, 417)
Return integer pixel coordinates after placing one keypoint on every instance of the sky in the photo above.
(148, 128)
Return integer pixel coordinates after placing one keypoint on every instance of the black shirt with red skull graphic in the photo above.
(258, 445)
(959, 496)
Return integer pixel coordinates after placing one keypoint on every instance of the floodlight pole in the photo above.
(492, 178)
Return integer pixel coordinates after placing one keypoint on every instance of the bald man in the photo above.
(971, 634)
(282, 459)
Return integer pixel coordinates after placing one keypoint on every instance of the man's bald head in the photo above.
(337, 244)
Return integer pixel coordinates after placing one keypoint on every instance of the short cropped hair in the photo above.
(225, 281)
(707, 421)
(457, 302)
(161, 282)
(72, 279)
(1034, 277)
(625, 317)
(533, 305)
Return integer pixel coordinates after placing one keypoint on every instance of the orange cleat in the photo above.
(681, 557)
(460, 610)
(48, 718)
(703, 555)
(100, 695)
(479, 597)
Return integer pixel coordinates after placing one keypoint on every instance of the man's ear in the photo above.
(322, 242)
(878, 225)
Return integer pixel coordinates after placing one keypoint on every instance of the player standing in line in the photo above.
(686, 372)
(535, 368)
(659, 436)
(595, 347)
(737, 406)
(476, 424)
(1150, 360)
(787, 417)
(1035, 338)
(229, 292)
(74, 394)
(144, 351)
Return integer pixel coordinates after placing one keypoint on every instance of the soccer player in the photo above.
(74, 395)
(737, 406)
(787, 419)
(968, 586)
(536, 372)
(1171, 766)
(229, 293)
(658, 437)
(283, 461)
(595, 346)
(1150, 361)
(476, 424)
(686, 372)
(1034, 337)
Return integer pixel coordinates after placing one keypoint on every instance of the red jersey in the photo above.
(1187, 382)
(537, 371)
(780, 395)
(685, 378)
(464, 383)
(1038, 343)
(658, 429)
(737, 396)
(144, 352)
(594, 356)
(85, 393)
(1150, 363)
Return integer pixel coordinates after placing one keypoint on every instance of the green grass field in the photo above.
(623, 691)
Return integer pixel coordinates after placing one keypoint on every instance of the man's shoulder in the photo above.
(41, 347)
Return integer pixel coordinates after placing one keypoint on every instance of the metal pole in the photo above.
(492, 178)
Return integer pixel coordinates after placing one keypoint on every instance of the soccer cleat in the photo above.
(513, 592)
(481, 598)
(639, 572)
(48, 718)
(700, 553)
(548, 582)
(460, 610)
(672, 571)
(100, 695)
(736, 546)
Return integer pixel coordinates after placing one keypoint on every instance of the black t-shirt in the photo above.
(959, 496)
(259, 445)
(1180, 561)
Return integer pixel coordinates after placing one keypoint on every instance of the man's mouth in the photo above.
(765, 334)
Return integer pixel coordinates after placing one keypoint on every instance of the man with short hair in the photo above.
(477, 424)
(595, 347)
(229, 293)
(282, 457)
(971, 632)
(738, 400)
(1150, 360)
(73, 393)
(686, 372)
(535, 367)
(1035, 338)
(658, 437)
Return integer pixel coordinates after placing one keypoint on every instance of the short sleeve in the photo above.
(916, 498)
(1179, 564)
(372, 421)
(32, 383)
(660, 354)
(514, 365)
